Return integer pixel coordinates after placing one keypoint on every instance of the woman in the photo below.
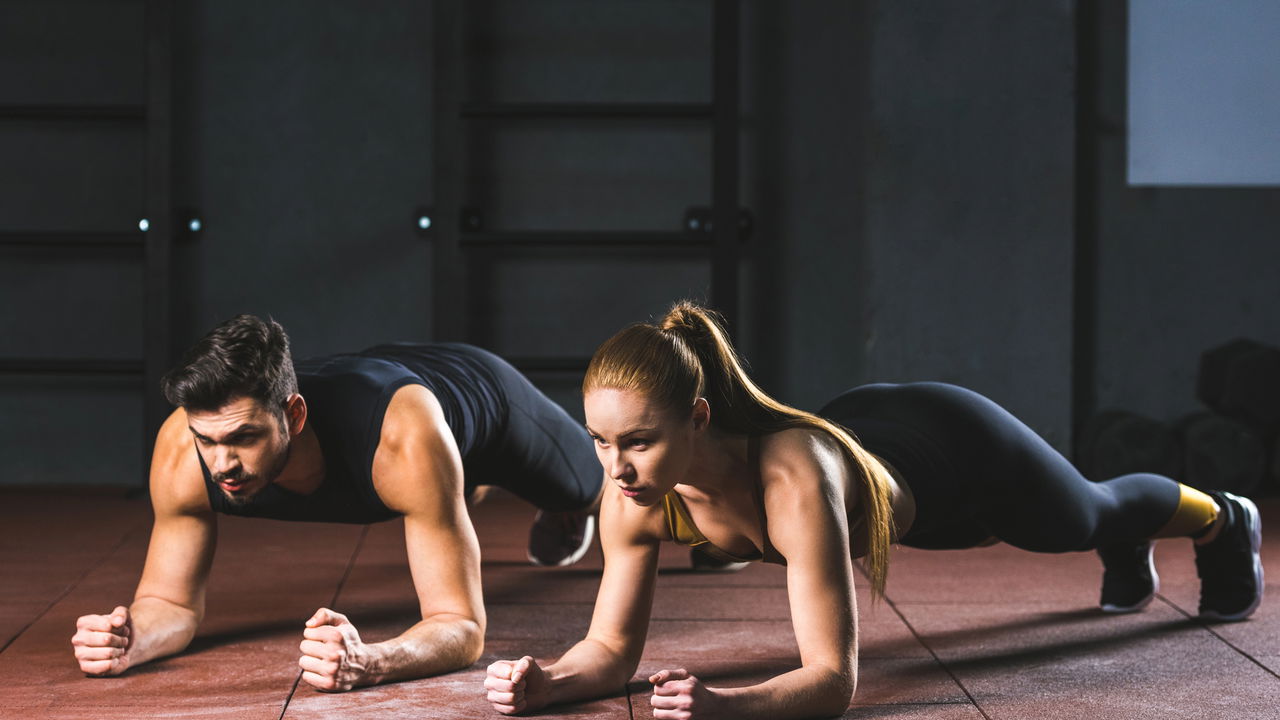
(698, 454)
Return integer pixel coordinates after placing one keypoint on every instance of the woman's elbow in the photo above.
(837, 691)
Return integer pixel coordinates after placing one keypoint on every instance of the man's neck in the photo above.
(304, 470)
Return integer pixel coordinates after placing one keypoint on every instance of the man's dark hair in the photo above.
(244, 356)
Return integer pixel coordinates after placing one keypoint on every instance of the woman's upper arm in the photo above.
(620, 621)
(809, 527)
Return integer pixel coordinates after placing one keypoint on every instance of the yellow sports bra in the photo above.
(684, 532)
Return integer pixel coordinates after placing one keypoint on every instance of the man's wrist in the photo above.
(366, 664)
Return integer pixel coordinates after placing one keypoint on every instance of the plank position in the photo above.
(395, 430)
(698, 454)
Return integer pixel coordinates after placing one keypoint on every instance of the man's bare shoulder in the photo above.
(412, 414)
(177, 483)
(417, 467)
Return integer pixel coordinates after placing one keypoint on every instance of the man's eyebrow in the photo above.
(245, 428)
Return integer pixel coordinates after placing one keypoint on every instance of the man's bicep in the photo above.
(178, 559)
(444, 560)
(185, 531)
(417, 471)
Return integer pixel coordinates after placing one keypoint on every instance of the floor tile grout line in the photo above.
(333, 602)
(858, 567)
(937, 659)
(1216, 634)
(73, 585)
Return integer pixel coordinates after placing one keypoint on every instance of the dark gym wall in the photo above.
(1181, 269)
(909, 165)
(71, 175)
(303, 143)
(969, 202)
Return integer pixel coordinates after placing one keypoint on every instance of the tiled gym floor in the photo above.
(994, 633)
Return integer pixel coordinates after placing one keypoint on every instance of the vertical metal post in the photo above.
(724, 161)
(449, 300)
(159, 209)
(1084, 311)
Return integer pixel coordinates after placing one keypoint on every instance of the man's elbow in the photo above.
(458, 641)
(472, 641)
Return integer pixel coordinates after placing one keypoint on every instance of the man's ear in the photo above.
(295, 414)
(701, 414)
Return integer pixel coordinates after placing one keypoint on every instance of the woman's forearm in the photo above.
(589, 669)
(807, 692)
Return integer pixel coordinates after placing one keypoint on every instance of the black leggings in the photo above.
(978, 472)
(541, 454)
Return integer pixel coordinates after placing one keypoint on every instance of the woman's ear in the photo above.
(701, 414)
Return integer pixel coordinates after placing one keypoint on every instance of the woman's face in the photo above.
(644, 447)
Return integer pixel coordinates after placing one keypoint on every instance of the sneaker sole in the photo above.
(587, 536)
(1155, 588)
(1254, 520)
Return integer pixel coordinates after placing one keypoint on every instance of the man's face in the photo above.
(243, 444)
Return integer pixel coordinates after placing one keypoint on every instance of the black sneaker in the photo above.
(560, 538)
(1230, 567)
(1129, 578)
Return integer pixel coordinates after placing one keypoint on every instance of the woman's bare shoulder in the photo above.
(628, 522)
(801, 455)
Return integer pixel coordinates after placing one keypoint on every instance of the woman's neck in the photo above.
(719, 463)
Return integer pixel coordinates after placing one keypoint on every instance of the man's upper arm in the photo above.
(417, 471)
(185, 531)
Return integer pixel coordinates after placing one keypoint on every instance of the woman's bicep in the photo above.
(620, 621)
(813, 535)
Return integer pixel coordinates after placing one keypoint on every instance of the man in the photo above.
(396, 430)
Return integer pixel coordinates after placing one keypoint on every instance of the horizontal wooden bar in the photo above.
(72, 239)
(587, 239)
(673, 111)
(550, 364)
(69, 366)
(75, 113)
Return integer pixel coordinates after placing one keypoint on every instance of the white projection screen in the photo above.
(1204, 92)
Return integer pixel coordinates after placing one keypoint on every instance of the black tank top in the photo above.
(347, 397)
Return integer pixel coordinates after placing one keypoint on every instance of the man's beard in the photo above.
(241, 500)
(238, 499)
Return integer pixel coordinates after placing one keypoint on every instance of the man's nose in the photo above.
(224, 459)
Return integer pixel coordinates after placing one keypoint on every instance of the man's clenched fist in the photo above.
(102, 642)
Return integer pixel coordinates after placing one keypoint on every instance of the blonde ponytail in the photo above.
(688, 355)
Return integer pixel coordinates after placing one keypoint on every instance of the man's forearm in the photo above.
(160, 628)
(435, 645)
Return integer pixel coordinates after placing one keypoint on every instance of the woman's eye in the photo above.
(638, 444)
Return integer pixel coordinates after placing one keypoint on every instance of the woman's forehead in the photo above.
(620, 410)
